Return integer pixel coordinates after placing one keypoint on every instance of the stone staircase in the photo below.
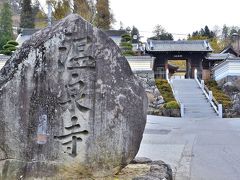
(195, 103)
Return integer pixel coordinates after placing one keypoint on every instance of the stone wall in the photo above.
(231, 86)
(155, 100)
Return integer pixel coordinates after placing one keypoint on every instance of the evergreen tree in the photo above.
(204, 33)
(6, 32)
(9, 47)
(126, 45)
(135, 35)
(225, 32)
(27, 16)
(103, 17)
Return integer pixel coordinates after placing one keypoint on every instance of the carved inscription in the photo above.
(73, 98)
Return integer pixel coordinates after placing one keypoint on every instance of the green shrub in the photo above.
(13, 42)
(8, 46)
(126, 44)
(211, 83)
(171, 105)
(161, 81)
(6, 52)
(128, 53)
(165, 90)
(12, 48)
(168, 99)
(225, 103)
(126, 38)
(218, 94)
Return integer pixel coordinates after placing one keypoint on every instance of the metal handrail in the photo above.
(215, 101)
(215, 104)
(206, 89)
(175, 94)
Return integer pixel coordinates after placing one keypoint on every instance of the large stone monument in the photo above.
(69, 100)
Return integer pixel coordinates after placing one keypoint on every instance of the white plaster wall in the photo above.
(227, 68)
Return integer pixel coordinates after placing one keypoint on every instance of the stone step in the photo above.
(209, 111)
(188, 90)
(196, 105)
(198, 101)
(191, 96)
(200, 113)
(200, 116)
(193, 100)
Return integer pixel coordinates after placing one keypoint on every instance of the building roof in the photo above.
(219, 56)
(229, 49)
(176, 46)
(115, 32)
(25, 34)
(28, 31)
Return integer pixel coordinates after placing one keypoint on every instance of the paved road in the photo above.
(196, 149)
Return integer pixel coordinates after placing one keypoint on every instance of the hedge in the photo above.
(218, 94)
(171, 105)
(166, 91)
(126, 37)
(126, 44)
(14, 43)
(6, 52)
(8, 46)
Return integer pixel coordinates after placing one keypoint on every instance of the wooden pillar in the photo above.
(189, 68)
(166, 68)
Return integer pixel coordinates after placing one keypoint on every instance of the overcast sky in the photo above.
(176, 16)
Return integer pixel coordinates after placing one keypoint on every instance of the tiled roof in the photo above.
(25, 34)
(28, 31)
(220, 56)
(228, 49)
(166, 46)
(22, 38)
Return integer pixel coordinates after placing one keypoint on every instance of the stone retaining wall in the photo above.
(231, 86)
(155, 100)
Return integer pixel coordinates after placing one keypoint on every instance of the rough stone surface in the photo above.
(158, 171)
(231, 86)
(141, 160)
(69, 99)
(142, 168)
(169, 112)
(155, 100)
